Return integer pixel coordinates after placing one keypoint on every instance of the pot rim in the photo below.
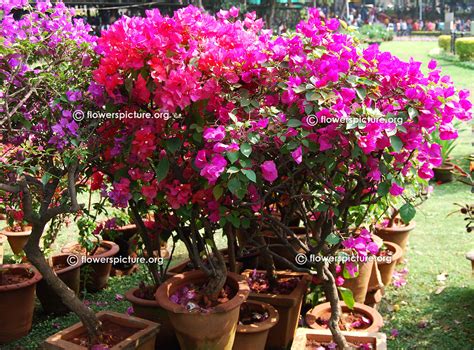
(113, 249)
(131, 297)
(77, 265)
(32, 281)
(163, 298)
(5, 231)
(396, 229)
(397, 253)
(375, 316)
(272, 320)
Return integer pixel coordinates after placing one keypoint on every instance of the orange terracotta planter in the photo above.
(396, 234)
(324, 311)
(288, 307)
(3, 239)
(254, 336)
(305, 337)
(17, 240)
(142, 339)
(152, 311)
(17, 302)
(202, 331)
(387, 266)
(360, 284)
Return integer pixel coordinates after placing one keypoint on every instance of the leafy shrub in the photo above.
(375, 33)
(444, 42)
(465, 48)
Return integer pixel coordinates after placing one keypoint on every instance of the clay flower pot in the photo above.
(397, 234)
(323, 311)
(137, 333)
(152, 311)
(271, 238)
(444, 173)
(288, 307)
(122, 236)
(254, 336)
(387, 264)
(306, 339)
(17, 240)
(96, 274)
(2, 249)
(67, 268)
(360, 284)
(17, 300)
(214, 329)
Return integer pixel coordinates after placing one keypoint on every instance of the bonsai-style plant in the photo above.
(45, 68)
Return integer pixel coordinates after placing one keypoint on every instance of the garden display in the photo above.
(249, 172)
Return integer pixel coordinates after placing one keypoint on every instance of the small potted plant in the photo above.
(17, 231)
(447, 141)
(387, 258)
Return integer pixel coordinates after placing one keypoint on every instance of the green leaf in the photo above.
(244, 102)
(332, 239)
(361, 92)
(217, 192)
(250, 175)
(412, 112)
(294, 123)
(246, 149)
(383, 188)
(232, 170)
(45, 178)
(232, 156)
(347, 297)
(407, 212)
(162, 169)
(173, 144)
(234, 184)
(397, 144)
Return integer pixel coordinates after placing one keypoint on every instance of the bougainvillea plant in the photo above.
(235, 123)
(46, 61)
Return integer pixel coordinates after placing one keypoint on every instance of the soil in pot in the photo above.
(17, 300)
(67, 267)
(255, 321)
(119, 331)
(312, 344)
(444, 173)
(361, 318)
(145, 306)
(398, 233)
(95, 275)
(17, 237)
(387, 259)
(201, 323)
(286, 297)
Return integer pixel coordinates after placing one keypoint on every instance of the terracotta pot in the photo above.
(95, 274)
(396, 234)
(444, 173)
(152, 311)
(2, 249)
(323, 310)
(360, 284)
(271, 238)
(305, 336)
(387, 266)
(288, 307)
(70, 274)
(142, 339)
(17, 303)
(122, 236)
(17, 240)
(254, 336)
(196, 330)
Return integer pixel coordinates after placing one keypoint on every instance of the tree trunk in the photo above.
(68, 297)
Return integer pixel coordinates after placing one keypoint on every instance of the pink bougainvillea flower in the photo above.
(297, 155)
(130, 311)
(269, 171)
(396, 190)
(394, 333)
(339, 281)
(432, 64)
(211, 171)
(214, 134)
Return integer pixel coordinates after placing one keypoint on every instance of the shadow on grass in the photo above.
(445, 322)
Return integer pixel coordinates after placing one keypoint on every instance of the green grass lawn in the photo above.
(425, 315)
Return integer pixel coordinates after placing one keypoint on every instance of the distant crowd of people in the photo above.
(403, 26)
